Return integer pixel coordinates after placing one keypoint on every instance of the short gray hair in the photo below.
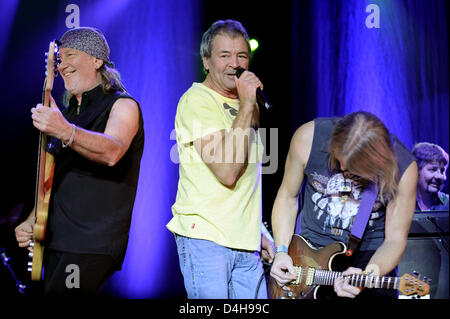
(229, 27)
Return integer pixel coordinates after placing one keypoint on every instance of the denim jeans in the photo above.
(212, 271)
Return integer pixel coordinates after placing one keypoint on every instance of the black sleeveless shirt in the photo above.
(329, 207)
(91, 203)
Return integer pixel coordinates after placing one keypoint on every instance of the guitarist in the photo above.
(336, 158)
(98, 141)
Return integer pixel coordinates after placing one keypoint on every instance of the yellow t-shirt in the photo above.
(204, 207)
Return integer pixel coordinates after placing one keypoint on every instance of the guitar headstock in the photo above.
(51, 64)
(410, 285)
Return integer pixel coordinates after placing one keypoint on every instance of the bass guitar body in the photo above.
(41, 211)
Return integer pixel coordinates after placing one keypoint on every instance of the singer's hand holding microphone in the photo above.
(254, 85)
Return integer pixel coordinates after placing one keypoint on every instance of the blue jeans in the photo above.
(212, 271)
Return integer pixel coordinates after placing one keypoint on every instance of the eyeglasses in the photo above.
(232, 111)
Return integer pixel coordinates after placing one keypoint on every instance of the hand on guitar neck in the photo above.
(342, 286)
(50, 121)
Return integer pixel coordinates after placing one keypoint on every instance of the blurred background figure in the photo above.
(432, 161)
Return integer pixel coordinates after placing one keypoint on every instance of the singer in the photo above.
(217, 214)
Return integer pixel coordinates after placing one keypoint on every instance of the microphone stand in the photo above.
(5, 259)
(439, 230)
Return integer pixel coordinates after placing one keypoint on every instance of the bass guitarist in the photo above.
(98, 141)
(337, 158)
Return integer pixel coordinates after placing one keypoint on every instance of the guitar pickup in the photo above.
(298, 270)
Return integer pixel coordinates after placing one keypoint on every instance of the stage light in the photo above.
(253, 44)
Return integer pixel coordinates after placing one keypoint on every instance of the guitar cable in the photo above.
(262, 277)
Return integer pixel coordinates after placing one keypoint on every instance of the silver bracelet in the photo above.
(74, 128)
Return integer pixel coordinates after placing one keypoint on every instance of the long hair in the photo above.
(111, 81)
(363, 143)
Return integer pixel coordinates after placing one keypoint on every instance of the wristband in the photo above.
(281, 249)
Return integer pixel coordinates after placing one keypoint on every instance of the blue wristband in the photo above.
(280, 249)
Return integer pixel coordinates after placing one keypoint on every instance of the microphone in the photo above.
(260, 97)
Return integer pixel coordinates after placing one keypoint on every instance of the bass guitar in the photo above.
(44, 175)
(313, 268)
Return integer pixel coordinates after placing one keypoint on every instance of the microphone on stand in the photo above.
(260, 97)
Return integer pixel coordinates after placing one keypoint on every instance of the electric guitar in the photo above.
(44, 175)
(313, 268)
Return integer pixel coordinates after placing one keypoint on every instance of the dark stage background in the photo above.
(315, 58)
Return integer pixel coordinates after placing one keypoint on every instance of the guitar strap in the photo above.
(359, 224)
